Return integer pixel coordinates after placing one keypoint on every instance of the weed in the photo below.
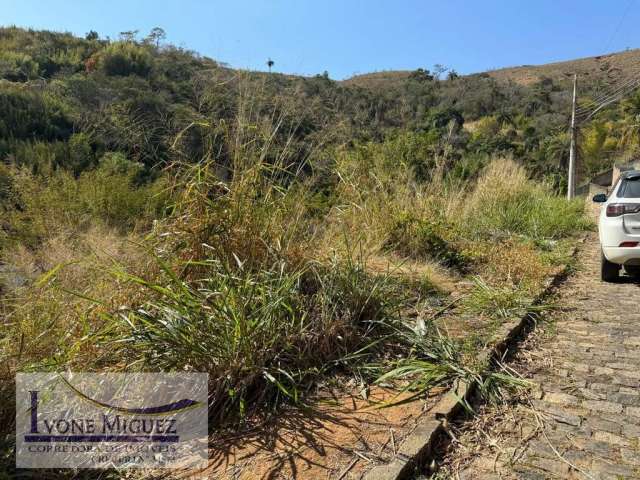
(420, 239)
(505, 202)
(500, 303)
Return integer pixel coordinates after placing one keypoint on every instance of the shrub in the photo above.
(37, 208)
(420, 238)
(17, 67)
(505, 202)
(25, 114)
(123, 59)
(262, 335)
(80, 153)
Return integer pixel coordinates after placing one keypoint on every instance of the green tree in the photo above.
(129, 36)
(421, 75)
(123, 58)
(80, 153)
(156, 36)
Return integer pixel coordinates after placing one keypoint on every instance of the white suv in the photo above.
(619, 227)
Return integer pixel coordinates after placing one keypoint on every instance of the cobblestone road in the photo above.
(583, 419)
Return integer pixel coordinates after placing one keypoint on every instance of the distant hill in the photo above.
(599, 68)
(604, 67)
(76, 103)
(378, 80)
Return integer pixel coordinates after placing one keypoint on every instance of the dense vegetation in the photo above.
(67, 102)
(162, 211)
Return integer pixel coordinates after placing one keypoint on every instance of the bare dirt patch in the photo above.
(340, 436)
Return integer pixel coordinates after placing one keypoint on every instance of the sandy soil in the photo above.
(339, 437)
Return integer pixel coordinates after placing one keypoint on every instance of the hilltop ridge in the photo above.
(605, 67)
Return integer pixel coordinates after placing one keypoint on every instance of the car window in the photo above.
(630, 188)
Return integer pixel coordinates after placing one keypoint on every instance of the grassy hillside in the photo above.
(67, 102)
(70, 95)
(600, 68)
(164, 212)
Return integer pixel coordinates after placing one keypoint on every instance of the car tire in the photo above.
(633, 270)
(609, 272)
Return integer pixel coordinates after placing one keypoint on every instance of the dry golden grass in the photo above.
(502, 177)
(606, 67)
(43, 321)
(514, 263)
(424, 271)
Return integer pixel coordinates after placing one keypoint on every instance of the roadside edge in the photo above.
(418, 448)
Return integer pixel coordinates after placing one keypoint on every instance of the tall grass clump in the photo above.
(262, 335)
(423, 239)
(36, 208)
(238, 289)
(380, 203)
(505, 202)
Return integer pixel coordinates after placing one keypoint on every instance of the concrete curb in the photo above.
(418, 448)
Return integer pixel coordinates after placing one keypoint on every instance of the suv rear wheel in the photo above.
(633, 270)
(609, 272)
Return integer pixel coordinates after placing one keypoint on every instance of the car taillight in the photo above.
(628, 244)
(617, 209)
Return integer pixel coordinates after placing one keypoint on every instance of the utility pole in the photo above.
(571, 182)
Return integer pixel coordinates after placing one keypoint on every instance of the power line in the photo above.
(624, 88)
(617, 29)
(611, 100)
(630, 78)
(616, 92)
(605, 98)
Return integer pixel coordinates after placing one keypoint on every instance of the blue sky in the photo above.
(356, 36)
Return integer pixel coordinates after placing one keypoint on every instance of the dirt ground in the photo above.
(340, 437)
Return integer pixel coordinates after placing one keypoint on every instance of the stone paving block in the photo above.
(558, 414)
(631, 430)
(561, 398)
(597, 423)
(579, 458)
(470, 474)
(630, 456)
(630, 390)
(603, 371)
(583, 430)
(624, 398)
(628, 354)
(622, 366)
(588, 386)
(540, 448)
(587, 394)
(611, 468)
(556, 466)
(602, 406)
(620, 379)
(611, 438)
(604, 387)
(578, 367)
(525, 473)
